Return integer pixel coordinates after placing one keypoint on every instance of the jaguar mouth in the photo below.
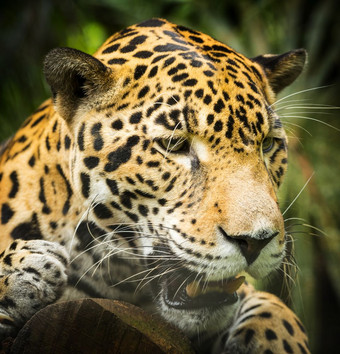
(184, 293)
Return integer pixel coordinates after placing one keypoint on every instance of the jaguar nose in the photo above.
(250, 246)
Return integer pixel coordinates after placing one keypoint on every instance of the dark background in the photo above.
(29, 29)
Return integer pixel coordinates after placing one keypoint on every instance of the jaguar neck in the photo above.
(35, 166)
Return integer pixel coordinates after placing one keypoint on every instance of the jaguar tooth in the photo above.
(231, 286)
(195, 288)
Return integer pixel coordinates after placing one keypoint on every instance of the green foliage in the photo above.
(30, 29)
(88, 38)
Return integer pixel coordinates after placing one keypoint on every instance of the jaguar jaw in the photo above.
(183, 293)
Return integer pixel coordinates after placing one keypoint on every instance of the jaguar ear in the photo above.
(75, 78)
(282, 70)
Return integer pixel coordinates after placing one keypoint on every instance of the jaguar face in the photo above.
(176, 139)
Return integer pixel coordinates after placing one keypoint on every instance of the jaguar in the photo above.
(151, 176)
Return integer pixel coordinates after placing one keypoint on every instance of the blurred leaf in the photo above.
(89, 38)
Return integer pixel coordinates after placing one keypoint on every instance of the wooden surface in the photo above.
(98, 326)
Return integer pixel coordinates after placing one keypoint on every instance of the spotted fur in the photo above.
(159, 157)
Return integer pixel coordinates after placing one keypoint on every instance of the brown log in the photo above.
(98, 326)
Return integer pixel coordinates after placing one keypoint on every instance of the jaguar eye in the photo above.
(174, 145)
(267, 144)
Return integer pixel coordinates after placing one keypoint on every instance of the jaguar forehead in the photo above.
(201, 87)
(167, 44)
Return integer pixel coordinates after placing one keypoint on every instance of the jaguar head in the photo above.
(175, 137)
